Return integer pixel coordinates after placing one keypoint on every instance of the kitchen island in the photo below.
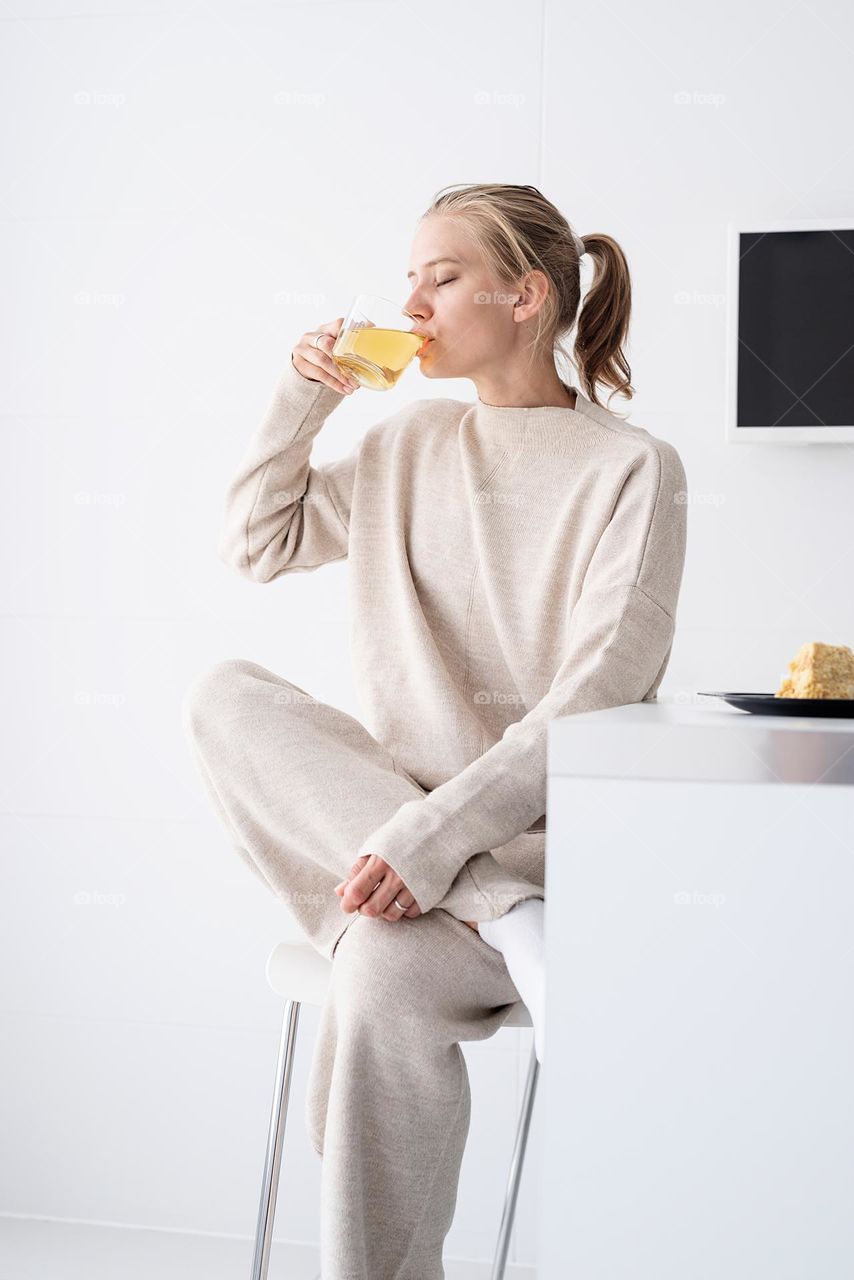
(697, 1095)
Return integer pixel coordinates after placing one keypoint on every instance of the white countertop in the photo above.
(673, 739)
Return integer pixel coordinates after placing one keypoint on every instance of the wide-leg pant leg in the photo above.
(299, 785)
(389, 1101)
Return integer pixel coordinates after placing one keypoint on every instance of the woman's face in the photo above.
(466, 315)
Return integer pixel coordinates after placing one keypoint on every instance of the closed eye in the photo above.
(439, 283)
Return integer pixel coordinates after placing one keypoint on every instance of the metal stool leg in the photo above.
(503, 1244)
(278, 1116)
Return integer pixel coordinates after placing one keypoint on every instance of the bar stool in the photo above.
(300, 974)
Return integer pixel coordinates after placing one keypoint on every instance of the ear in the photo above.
(534, 288)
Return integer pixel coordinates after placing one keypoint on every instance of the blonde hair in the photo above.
(518, 230)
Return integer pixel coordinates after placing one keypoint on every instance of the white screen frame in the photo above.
(768, 435)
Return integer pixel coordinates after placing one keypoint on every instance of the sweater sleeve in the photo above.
(619, 638)
(281, 514)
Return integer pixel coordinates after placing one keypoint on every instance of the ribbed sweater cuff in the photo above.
(421, 849)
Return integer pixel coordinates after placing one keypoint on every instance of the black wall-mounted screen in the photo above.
(795, 329)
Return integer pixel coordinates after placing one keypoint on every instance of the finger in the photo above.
(318, 350)
(311, 360)
(393, 911)
(363, 883)
(382, 901)
(377, 898)
(412, 911)
(315, 363)
(332, 330)
(354, 870)
(387, 886)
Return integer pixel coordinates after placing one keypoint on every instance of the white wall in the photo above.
(186, 189)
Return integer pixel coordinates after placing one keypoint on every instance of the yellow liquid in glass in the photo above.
(376, 357)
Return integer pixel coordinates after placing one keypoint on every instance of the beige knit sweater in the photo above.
(506, 566)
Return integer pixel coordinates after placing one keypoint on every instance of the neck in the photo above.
(538, 393)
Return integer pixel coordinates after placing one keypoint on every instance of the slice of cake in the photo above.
(820, 671)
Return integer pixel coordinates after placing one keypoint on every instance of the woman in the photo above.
(510, 560)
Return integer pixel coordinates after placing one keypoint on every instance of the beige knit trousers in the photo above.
(299, 785)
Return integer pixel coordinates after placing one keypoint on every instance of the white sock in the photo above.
(520, 937)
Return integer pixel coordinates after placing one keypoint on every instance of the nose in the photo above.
(415, 306)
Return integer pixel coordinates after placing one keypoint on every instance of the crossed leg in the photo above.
(299, 784)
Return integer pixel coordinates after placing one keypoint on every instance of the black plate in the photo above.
(768, 704)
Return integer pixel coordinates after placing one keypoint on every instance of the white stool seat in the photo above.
(296, 971)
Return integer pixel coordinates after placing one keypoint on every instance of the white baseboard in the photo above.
(67, 1247)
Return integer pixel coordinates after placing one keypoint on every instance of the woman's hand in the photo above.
(316, 364)
(371, 889)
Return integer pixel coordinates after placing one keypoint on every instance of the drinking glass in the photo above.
(376, 342)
